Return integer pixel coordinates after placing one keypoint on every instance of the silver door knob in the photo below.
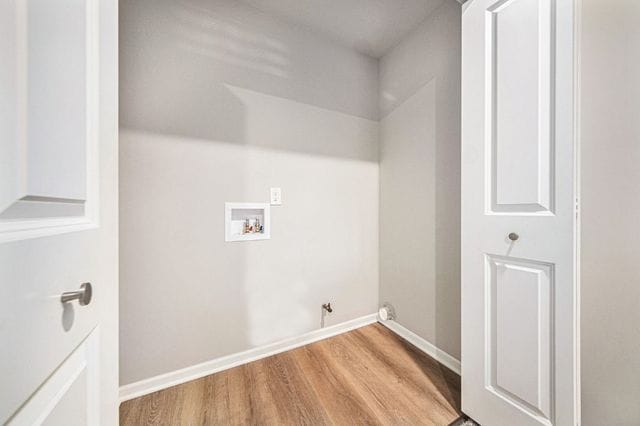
(513, 236)
(83, 296)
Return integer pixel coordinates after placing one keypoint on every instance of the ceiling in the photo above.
(369, 26)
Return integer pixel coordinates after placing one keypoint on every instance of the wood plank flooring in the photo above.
(366, 376)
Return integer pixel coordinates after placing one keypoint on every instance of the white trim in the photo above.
(163, 381)
(425, 346)
(27, 229)
(577, 144)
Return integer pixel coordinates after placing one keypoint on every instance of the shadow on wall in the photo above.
(403, 74)
(420, 139)
(199, 30)
(164, 86)
(447, 213)
(164, 92)
(420, 245)
(193, 68)
(214, 110)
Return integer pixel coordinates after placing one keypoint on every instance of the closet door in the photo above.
(519, 333)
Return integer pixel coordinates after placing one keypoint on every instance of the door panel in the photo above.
(56, 63)
(519, 94)
(519, 310)
(49, 142)
(70, 396)
(519, 356)
(9, 78)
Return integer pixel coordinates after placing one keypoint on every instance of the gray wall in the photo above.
(218, 103)
(610, 272)
(420, 179)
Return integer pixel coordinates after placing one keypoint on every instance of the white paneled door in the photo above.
(519, 325)
(58, 212)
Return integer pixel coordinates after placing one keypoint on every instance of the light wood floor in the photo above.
(366, 376)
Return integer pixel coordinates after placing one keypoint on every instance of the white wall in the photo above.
(219, 103)
(420, 179)
(610, 205)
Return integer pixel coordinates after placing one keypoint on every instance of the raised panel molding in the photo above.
(519, 113)
(519, 306)
(75, 382)
(49, 145)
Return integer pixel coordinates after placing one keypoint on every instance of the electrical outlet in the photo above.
(276, 196)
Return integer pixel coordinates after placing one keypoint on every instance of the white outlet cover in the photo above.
(276, 196)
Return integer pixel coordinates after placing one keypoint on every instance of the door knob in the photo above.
(83, 295)
(513, 236)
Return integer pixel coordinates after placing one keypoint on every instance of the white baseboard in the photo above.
(163, 381)
(425, 346)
